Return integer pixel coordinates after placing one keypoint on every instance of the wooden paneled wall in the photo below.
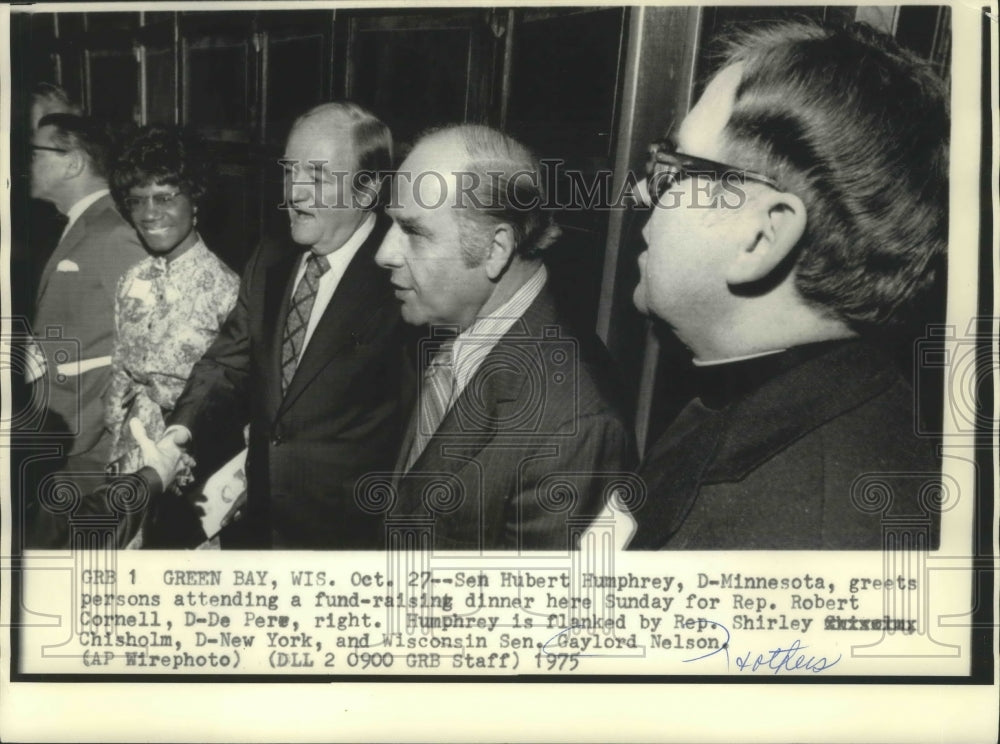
(589, 86)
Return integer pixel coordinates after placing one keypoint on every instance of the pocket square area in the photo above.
(67, 265)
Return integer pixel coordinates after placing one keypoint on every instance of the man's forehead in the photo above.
(701, 131)
(310, 139)
(426, 179)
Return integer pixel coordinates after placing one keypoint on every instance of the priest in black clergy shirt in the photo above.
(312, 354)
(800, 212)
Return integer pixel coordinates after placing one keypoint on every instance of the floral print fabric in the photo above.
(166, 315)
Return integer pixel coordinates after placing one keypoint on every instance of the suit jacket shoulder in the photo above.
(98, 249)
(598, 387)
(112, 240)
(540, 417)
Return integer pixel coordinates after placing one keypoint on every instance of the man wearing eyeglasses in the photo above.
(74, 318)
(798, 216)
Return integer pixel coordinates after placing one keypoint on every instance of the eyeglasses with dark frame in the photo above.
(667, 167)
(135, 203)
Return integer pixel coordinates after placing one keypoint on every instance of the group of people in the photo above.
(130, 284)
(401, 375)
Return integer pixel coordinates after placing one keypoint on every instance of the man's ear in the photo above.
(781, 220)
(500, 251)
(76, 163)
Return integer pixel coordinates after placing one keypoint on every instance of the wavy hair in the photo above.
(858, 128)
(160, 155)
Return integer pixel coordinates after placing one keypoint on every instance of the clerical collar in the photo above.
(721, 384)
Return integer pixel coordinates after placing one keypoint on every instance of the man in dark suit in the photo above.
(311, 356)
(74, 320)
(779, 273)
(518, 433)
(35, 224)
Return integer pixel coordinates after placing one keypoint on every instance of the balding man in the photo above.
(311, 355)
(518, 430)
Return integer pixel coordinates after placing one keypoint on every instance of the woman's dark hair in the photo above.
(160, 155)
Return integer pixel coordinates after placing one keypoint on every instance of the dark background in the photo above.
(554, 78)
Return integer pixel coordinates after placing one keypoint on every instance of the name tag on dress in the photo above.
(141, 289)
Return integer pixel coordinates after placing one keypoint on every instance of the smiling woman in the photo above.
(158, 180)
(169, 306)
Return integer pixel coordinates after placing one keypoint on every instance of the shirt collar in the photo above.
(731, 360)
(358, 237)
(81, 206)
(500, 320)
(720, 384)
(162, 262)
(475, 342)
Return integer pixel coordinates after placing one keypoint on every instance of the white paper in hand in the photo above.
(615, 517)
(225, 494)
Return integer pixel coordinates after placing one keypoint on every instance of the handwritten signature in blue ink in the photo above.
(723, 647)
(775, 660)
(785, 660)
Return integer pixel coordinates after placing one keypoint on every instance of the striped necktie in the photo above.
(435, 398)
(298, 317)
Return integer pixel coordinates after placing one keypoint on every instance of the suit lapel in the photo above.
(494, 393)
(466, 429)
(471, 422)
(70, 241)
(343, 321)
(404, 448)
(277, 295)
(672, 472)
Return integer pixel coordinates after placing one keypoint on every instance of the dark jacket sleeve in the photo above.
(215, 401)
(120, 506)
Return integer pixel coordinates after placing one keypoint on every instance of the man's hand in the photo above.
(163, 456)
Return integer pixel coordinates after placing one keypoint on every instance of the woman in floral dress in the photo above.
(170, 305)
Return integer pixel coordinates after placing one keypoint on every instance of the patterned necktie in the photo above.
(435, 397)
(298, 317)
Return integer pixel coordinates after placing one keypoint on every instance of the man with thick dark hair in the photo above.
(74, 319)
(519, 432)
(777, 272)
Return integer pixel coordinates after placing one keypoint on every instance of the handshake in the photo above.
(166, 456)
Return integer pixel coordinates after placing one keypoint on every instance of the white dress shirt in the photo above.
(474, 343)
(338, 260)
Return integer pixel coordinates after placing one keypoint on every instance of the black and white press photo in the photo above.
(419, 344)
